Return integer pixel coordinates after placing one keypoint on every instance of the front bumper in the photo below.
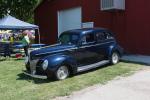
(35, 76)
(33, 69)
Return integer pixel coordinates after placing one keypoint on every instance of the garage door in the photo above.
(69, 19)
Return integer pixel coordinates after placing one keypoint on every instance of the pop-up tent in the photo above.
(11, 23)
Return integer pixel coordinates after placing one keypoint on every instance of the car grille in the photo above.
(40, 71)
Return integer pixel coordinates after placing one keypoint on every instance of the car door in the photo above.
(104, 40)
(85, 53)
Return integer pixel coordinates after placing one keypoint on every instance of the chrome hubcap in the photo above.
(62, 72)
(115, 58)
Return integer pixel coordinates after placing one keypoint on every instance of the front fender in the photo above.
(54, 61)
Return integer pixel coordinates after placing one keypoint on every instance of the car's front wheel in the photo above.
(62, 72)
(115, 58)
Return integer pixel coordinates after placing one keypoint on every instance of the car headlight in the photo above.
(45, 64)
(26, 59)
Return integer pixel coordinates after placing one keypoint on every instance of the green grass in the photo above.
(16, 86)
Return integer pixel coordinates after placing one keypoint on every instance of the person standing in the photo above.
(26, 42)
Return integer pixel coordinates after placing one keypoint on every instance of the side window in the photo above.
(101, 36)
(75, 39)
(88, 39)
(109, 36)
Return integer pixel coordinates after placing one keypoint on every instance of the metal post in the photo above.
(39, 36)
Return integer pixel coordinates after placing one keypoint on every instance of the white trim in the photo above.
(88, 25)
(96, 44)
(57, 51)
(58, 19)
(75, 48)
(39, 35)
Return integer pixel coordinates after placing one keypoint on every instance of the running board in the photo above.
(95, 65)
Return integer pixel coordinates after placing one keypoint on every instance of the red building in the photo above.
(129, 20)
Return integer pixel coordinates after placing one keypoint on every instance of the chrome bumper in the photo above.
(33, 65)
(35, 76)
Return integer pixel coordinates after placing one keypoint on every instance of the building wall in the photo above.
(131, 27)
(46, 16)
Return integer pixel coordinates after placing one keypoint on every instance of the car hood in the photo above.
(51, 49)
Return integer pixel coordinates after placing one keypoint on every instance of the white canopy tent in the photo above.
(11, 23)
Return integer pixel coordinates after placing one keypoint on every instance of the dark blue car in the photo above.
(77, 51)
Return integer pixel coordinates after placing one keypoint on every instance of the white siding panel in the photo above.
(69, 19)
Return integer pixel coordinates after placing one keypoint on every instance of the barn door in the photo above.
(69, 19)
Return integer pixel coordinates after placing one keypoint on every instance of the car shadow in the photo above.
(22, 76)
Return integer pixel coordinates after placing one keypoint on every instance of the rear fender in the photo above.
(115, 48)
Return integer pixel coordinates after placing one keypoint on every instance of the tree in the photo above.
(22, 9)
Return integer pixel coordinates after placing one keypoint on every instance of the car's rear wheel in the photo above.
(62, 72)
(115, 58)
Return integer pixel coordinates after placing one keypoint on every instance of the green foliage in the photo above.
(22, 9)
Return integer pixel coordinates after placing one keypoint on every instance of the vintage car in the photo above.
(77, 51)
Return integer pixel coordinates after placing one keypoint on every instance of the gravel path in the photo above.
(135, 87)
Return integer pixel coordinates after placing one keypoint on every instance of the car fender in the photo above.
(54, 61)
(116, 48)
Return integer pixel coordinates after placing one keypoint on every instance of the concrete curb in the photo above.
(140, 59)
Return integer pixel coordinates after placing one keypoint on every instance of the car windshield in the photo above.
(69, 38)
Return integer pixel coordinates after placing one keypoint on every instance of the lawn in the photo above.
(14, 85)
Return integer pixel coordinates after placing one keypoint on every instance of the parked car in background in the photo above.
(77, 51)
(17, 48)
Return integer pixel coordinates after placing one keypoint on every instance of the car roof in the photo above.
(84, 31)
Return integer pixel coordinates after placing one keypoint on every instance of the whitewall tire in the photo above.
(115, 58)
(62, 73)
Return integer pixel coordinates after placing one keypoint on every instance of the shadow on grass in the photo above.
(2, 59)
(17, 59)
(22, 76)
